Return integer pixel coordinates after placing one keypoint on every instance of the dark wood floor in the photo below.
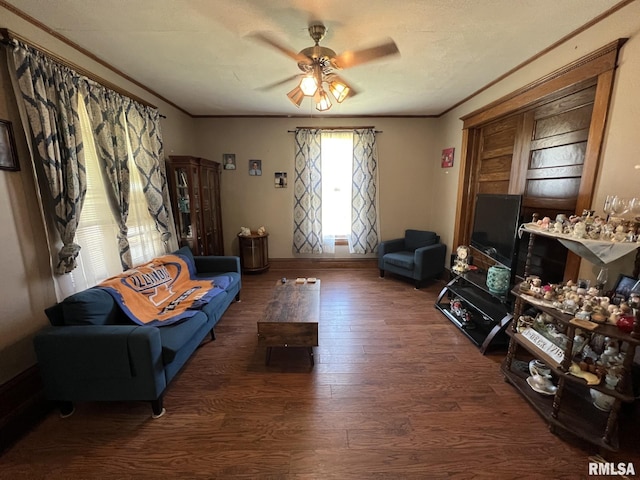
(396, 392)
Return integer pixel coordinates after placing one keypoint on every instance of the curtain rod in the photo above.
(8, 36)
(334, 128)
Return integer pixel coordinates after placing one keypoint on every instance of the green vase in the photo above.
(498, 279)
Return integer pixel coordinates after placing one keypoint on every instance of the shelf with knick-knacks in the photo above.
(580, 337)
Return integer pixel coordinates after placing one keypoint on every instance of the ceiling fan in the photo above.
(320, 65)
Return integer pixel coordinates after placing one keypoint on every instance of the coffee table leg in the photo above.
(310, 349)
(268, 358)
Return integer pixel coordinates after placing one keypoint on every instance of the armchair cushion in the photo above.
(400, 259)
(414, 239)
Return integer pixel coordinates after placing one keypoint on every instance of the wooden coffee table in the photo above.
(291, 317)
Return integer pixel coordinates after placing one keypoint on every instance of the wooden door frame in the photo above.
(599, 65)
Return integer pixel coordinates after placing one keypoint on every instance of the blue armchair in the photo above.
(419, 255)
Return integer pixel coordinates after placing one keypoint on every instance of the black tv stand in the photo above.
(483, 316)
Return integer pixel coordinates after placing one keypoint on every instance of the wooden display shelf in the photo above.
(576, 407)
(625, 396)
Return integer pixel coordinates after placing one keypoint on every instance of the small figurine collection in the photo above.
(457, 308)
(594, 356)
(585, 303)
(592, 227)
(246, 231)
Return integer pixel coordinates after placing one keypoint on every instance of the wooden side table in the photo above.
(254, 252)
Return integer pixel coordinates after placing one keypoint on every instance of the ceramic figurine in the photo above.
(461, 263)
(245, 232)
(262, 231)
(580, 230)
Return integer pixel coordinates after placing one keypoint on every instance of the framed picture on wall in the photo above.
(280, 179)
(8, 153)
(447, 157)
(229, 161)
(255, 168)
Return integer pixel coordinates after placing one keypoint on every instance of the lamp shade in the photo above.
(296, 96)
(339, 90)
(323, 102)
(309, 85)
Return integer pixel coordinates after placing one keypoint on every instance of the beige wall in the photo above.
(621, 151)
(27, 288)
(406, 148)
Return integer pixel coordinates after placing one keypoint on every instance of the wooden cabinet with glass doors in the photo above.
(195, 194)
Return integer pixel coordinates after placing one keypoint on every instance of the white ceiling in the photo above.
(196, 54)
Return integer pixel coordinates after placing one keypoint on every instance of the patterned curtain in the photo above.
(364, 215)
(307, 192)
(106, 114)
(146, 145)
(50, 96)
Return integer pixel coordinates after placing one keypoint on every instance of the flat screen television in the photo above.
(495, 226)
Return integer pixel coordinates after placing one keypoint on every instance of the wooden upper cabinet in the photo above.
(195, 195)
(542, 142)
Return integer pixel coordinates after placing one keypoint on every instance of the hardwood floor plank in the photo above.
(397, 392)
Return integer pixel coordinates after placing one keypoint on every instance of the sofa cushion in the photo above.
(174, 337)
(418, 238)
(216, 307)
(400, 259)
(188, 255)
(222, 280)
(93, 306)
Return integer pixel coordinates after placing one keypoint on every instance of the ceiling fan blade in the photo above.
(277, 84)
(272, 42)
(350, 59)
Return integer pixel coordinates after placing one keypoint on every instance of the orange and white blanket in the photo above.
(160, 292)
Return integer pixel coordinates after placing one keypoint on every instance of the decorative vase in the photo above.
(498, 279)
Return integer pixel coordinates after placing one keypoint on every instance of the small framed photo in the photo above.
(8, 153)
(624, 287)
(255, 168)
(447, 157)
(229, 161)
(280, 179)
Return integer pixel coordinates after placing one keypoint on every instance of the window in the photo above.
(337, 173)
(97, 230)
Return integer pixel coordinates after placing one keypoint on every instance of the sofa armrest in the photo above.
(84, 362)
(217, 264)
(429, 261)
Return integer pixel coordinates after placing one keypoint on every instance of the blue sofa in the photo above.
(93, 352)
(419, 255)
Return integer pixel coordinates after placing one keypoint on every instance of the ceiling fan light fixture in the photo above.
(323, 102)
(339, 90)
(309, 85)
(296, 96)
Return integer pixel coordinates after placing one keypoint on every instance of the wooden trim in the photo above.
(595, 140)
(596, 69)
(22, 406)
(321, 263)
(587, 67)
(464, 200)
